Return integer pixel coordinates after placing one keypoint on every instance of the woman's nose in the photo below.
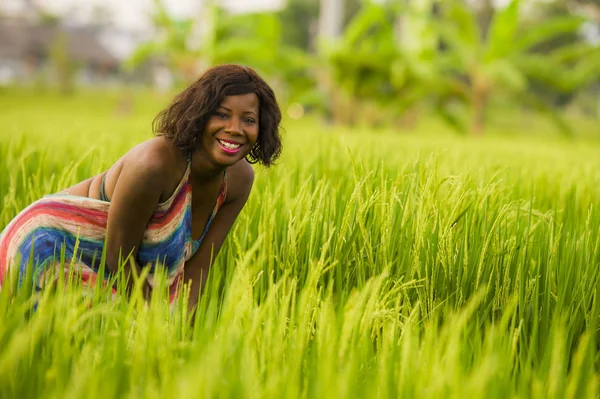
(234, 126)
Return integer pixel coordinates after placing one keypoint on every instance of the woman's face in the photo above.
(232, 130)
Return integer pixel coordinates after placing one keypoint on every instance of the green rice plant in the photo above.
(365, 264)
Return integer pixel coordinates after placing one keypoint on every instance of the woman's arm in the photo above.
(133, 201)
(240, 178)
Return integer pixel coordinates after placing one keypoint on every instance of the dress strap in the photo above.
(218, 204)
(223, 188)
(103, 196)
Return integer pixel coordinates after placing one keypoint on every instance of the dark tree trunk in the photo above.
(485, 13)
(479, 108)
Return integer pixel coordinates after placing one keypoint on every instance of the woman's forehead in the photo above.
(248, 101)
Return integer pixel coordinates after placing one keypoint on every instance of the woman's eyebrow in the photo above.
(246, 112)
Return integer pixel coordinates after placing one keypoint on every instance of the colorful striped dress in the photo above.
(76, 226)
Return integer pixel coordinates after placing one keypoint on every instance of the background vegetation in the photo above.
(376, 62)
(391, 62)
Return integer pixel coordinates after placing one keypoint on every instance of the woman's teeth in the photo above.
(230, 146)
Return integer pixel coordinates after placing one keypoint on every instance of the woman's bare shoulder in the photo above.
(162, 163)
(156, 161)
(240, 178)
(156, 153)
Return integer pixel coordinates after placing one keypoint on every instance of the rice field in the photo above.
(365, 264)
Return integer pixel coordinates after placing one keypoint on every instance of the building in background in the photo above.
(28, 49)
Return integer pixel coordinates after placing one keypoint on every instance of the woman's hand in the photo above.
(145, 171)
(132, 272)
(146, 291)
(239, 183)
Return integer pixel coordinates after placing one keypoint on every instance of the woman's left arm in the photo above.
(239, 183)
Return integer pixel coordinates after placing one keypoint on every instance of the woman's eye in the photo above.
(221, 115)
(250, 120)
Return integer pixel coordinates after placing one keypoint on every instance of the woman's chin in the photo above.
(225, 159)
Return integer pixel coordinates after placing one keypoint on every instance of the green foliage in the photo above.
(62, 65)
(253, 39)
(394, 60)
(504, 60)
(359, 63)
(174, 46)
(241, 39)
(297, 18)
(447, 61)
(361, 59)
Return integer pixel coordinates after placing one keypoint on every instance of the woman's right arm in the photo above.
(135, 197)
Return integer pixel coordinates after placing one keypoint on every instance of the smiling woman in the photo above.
(167, 204)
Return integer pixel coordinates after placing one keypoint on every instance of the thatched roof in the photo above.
(21, 40)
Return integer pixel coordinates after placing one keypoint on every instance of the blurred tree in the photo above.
(172, 46)
(485, 12)
(393, 57)
(299, 20)
(544, 11)
(590, 8)
(360, 62)
(404, 55)
(329, 30)
(63, 66)
(413, 72)
(385, 62)
(474, 69)
(256, 39)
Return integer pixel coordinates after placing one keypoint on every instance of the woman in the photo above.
(170, 200)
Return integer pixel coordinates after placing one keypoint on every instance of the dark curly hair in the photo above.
(187, 115)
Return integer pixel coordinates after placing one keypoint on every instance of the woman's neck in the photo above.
(203, 169)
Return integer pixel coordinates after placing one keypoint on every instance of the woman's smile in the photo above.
(230, 147)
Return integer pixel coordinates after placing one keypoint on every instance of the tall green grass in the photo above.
(365, 264)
